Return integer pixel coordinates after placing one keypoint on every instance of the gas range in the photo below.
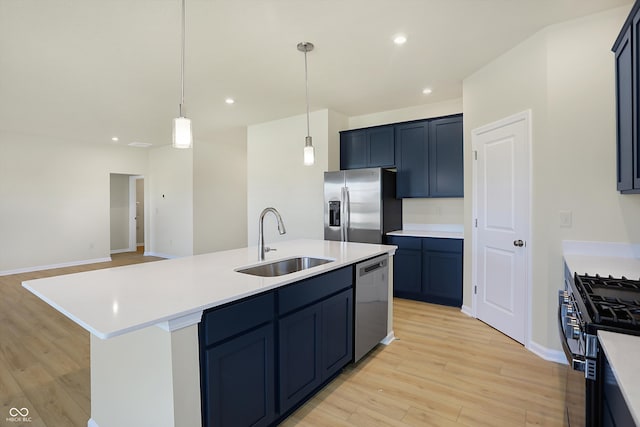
(590, 303)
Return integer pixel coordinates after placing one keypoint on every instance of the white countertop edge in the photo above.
(449, 228)
(616, 347)
(606, 249)
(424, 233)
(166, 321)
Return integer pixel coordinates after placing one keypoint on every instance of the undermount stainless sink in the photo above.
(283, 266)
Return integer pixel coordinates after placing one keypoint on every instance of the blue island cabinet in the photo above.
(428, 269)
(263, 356)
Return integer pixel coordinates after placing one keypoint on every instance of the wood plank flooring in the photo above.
(445, 369)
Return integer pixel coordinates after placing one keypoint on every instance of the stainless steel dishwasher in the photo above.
(372, 299)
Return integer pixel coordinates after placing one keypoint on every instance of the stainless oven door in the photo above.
(575, 387)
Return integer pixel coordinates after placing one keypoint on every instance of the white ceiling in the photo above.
(87, 70)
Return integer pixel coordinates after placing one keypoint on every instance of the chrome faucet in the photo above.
(281, 230)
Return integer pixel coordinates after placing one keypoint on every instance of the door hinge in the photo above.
(476, 222)
(475, 155)
(475, 289)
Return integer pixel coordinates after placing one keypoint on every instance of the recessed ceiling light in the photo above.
(139, 144)
(115, 139)
(230, 101)
(399, 39)
(426, 91)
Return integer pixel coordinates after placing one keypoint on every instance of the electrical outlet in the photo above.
(566, 220)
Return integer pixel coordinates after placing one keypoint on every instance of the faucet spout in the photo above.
(281, 230)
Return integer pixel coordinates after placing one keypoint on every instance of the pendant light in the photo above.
(309, 155)
(182, 137)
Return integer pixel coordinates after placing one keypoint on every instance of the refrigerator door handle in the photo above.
(343, 199)
(347, 216)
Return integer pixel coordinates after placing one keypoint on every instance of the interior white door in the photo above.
(502, 228)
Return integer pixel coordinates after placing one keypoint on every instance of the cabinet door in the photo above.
(381, 147)
(442, 271)
(412, 158)
(635, 101)
(239, 382)
(407, 273)
(299, 345)
(353, 149)
(445, 157)
(624, 110)
(337, 333)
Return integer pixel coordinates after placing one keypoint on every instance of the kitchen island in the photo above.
(144, 318)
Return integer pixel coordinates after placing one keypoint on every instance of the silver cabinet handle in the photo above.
(518, 243)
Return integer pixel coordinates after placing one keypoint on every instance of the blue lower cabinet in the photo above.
(299, 355)
(337, 333)
(240, 385)
(262, 357)
(428, 269)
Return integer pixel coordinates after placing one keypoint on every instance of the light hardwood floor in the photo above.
(445, 369)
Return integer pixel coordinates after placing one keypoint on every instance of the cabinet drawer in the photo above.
(405, 242)
(314, 289)
(443, 245)
(237, 317)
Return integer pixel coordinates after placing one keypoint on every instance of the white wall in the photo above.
(220, 192)
(54, 199)
(420, 211)
(170, 201)
(119, 212)
(565, 74)
(278, 178)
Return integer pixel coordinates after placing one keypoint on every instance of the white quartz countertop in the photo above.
(442, 231)
(622, 351)
(603, 258)
(119, 300)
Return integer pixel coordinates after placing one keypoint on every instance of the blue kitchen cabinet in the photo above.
(428, 269)
(263, 356)
(237, 363)
(429, 158)
(367, 148)
(446, 175)
(627, 58)
(300, 372)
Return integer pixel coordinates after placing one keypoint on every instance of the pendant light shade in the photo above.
(182, 137)
(309, 152)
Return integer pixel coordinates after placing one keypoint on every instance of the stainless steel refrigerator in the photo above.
(360, 205)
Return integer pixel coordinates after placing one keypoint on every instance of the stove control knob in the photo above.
(575, 332)
(563, 297)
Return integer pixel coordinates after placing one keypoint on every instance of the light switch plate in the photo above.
(566, 220)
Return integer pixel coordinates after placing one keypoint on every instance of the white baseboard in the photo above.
(92, 423)
(159, 255)
(388, 339)
(51, 266)
(121, 251)
(466, 310)
(547, 353)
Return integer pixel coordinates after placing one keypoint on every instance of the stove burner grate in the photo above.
(611, 301)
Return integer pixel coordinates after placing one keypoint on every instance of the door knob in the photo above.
(518, 243)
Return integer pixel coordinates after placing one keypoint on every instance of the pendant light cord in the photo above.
(306, 80)
(182, 59)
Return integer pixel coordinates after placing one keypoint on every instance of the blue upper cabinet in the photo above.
(445, 157)
(412, 154)
(429, 158)
(627, 53)
(367, 148)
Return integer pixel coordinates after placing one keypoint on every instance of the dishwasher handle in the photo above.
(372, 267)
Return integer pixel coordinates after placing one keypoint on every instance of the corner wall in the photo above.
(278, 178)
(54, 199)
(220, 192)
(565, 75)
